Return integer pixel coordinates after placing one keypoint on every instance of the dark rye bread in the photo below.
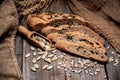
(67, 28)
(77, 37)
(81, 50)
(37, 22)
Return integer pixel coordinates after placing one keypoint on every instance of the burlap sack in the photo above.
(103, 14)
(9, 69)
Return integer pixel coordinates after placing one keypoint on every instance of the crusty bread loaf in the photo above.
(77, 37)
(37, 22)
(70, 33)
(81, 50)
(67, 28)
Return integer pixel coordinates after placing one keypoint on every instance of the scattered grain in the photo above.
(33, 69)
(27, 55)
(44, 67)
(49, 67)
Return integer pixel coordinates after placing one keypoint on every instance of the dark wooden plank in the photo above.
(18, 49)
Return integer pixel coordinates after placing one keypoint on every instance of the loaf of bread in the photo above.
(67, 28)
(37, 22)
(70, 33)
(77, 37)
(81, 50)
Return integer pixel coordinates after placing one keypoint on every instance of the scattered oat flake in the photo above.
(45, 66)
(27, 55)
(49, 67)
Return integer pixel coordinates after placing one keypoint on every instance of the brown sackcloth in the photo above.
(9, 69)
(103, 14)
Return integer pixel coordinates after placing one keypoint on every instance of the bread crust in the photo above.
(79, 50)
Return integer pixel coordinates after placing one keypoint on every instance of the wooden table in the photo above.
(106, 69)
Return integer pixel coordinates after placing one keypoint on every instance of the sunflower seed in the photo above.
(47, 47)
(91, 74)
(54, 51)
(33, 69)
(65, 69)
(97, 70)
(32, 48)
(44, 55)
(47, 60)
(111, 59)
(38, 58)
(39, 50)
(45, 66)
(105, 77)
(79, 71)
(49, 67)
(76, 65)
(108, 47)
(86, 71)
(34, 53)
(61, 56)
(112, 52)
(27, 55)
(59, 63)
(50, 55)
(40, 53)
(36, 66)
(54, 58)
(76, 71)
(34, 60)
(116, 62)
